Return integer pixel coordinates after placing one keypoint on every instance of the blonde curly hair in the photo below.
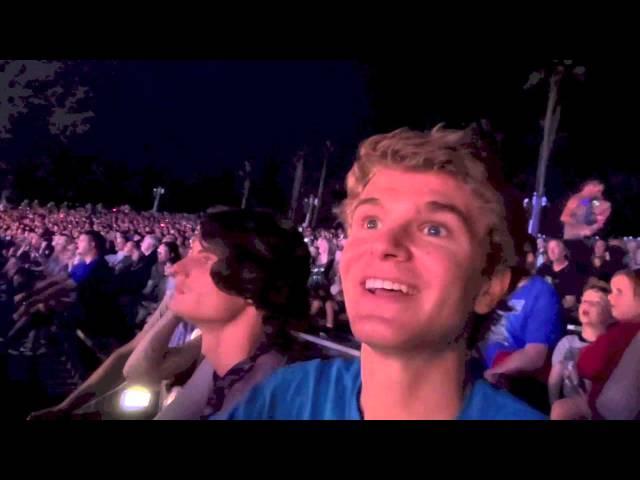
(454, 152)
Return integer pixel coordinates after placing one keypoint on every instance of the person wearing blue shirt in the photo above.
(517, 351)
(427, 258)
(534, 321)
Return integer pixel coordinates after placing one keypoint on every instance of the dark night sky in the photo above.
(193, 118)
(190, 116)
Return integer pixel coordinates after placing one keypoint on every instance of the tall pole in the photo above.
(310, 202)
(157, 192)
(327, 149)
(297, 184)
(247, 183)
(551, 121)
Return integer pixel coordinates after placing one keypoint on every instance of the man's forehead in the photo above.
(427, 190)
(388, 184)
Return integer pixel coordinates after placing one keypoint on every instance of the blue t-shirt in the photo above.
(536, 317)
(81, 270)
(330, 390)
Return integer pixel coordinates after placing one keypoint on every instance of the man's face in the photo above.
(35, 240)
(323, 246)
(147, 245)
(555, 250)
(600, 248)
(170, 238)
(163, 254)
(120, 242)
(129, 247)
(196, 297)
(85, 245)
(594, 308)
(60, 242)
(425, 235)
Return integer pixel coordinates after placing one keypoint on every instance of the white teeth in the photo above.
(376, 283)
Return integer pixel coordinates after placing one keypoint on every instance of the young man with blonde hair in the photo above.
(427, 257)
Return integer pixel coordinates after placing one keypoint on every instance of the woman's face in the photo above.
(625, 304)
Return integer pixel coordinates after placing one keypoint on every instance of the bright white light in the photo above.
(135, 398)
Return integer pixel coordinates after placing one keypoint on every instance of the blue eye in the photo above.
(434, 230)
(371, 223)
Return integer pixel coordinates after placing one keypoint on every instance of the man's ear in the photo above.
(493, 291)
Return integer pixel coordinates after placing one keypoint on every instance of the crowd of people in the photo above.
(458, 312)
(104, 271)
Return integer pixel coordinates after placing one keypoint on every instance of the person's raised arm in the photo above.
(154, 361)
(107, 377)
(571, 217)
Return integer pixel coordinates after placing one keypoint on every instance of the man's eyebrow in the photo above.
(367, 201)
(435, 206)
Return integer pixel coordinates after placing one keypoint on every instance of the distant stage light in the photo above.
(135, 399)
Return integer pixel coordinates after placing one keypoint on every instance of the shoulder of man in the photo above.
(490, 403)
(540, 285)
(543, 269)
(294, 392)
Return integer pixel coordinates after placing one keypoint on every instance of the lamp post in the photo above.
(157, 193)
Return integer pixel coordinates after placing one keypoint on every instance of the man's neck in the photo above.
(559, 264)
(421, 386)
(89, 258)
(226, 346)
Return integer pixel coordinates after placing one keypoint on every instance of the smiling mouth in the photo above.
(377, 286)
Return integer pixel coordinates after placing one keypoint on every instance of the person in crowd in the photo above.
(565, 278)
(85, 293)
(620, 396)
(595, 318)
(320, 282)
(116, 258)
(586, 211)
(428, 253)
(109, 376)
(127, 262)
(517, 349)
(599, 254)
(155, 289)
(584, 215)
(149, 246)
(530, 257)
(94, 284)
(599, 360)
(244, 286)
(632, 249)
(57, 263)
(614, 262)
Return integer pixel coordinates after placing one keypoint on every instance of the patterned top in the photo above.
(223, 385)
